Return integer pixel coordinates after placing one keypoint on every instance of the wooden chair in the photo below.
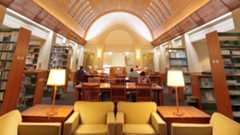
(144, 92)
(133, 79)
(91, 92)
(118, 94)
(94, 79)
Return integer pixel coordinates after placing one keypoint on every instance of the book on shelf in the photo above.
(209, 98)
(206, 83)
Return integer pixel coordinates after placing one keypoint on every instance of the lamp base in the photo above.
(52, 112)
(179, 114)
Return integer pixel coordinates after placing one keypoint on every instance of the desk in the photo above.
(191, 115)
(127, 87)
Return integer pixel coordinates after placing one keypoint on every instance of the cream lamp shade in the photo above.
(175, 78)
(57, 77)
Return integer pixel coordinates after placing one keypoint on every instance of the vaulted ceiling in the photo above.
(157, 14)
(166, 19)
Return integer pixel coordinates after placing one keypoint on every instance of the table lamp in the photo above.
(57, 77)
(175, 79)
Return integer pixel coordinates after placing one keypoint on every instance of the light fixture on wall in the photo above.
(99, 53)
(126, 53)
(138, 54)
(109, 53)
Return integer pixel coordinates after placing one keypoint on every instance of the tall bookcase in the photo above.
(13, 51)
(178, 60)
(32, 89)
(224, 60)
(60, 57)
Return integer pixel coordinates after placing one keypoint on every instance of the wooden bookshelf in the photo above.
(13, 50)
(61, 58)
(223, 63)
(207, 95)
(178, 60)
(33, 54)
(32, 88)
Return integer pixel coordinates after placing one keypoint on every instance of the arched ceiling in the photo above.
(116, 18)
(165, 18)
(155, 13)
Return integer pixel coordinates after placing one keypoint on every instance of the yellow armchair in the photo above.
(219, 125)
(139, 118)
(91, 118)
(11, 124)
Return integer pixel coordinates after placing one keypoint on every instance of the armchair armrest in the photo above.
(119, 123)
(158, 124)
(71, 124)
(190, 129)
(111, 123)
(39, 129)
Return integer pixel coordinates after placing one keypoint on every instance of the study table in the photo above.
(128, 87)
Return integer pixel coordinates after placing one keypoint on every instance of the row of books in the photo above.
(6, 56)
(5, 65)
(3, 84)
(7, 46)
(179, 54)
(226, 43)
(32, 57)
(178, 62)
(230, 52)
(59, 57)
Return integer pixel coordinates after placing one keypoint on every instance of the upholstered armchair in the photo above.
(139, 118)
(219, 125)
(91, 118)
(11, 124)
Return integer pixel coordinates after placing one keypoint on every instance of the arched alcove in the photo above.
(110, 19)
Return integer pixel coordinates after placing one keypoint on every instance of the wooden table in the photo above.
(128, 87)
(190, 115)
(38, 113)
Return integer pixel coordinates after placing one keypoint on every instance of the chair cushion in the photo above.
(93, 112)
(141, 129)
(9, 123)
(91, 129)
(138, 112)
(222, 125)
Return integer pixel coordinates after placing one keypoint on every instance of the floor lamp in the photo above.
(57, 77)
(175, 79)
